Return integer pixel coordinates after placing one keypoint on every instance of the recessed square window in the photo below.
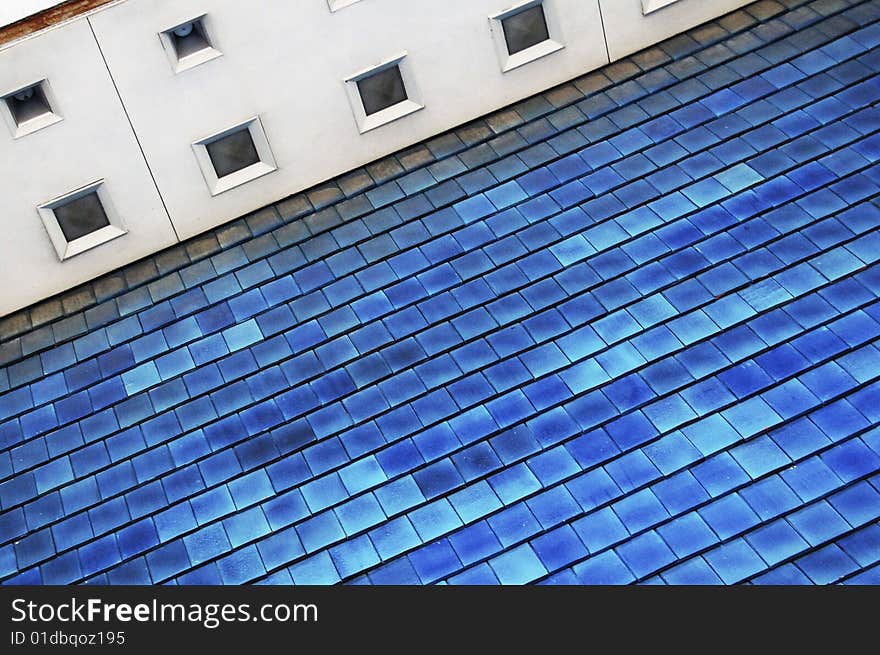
(189, 44)
(234, 156)
(525, 33)
(382, 90)
(525, 29)
(233, 152)
(383, 93)
(81, 216)
(81, 220)
(29, 109)
(189, 38)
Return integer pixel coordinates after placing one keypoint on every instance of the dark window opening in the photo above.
(81, 216)
(526, 29)
(382, 90)
(233, 152)
(189, 39)
(28, 104)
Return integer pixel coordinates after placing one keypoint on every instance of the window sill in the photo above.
(196, 59)
(336, 5)
(241, 177)
(650, 6)
(35, 124)
(389, 115)
(92, 240)
(529, 55)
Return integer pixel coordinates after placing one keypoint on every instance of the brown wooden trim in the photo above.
(47, 18)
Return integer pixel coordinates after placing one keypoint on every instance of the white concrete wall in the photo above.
(284, 60)
(92, 141)
(289, 67)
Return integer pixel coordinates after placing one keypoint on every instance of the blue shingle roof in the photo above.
(625, 331)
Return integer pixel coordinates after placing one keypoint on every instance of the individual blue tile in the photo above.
(558, 548)
(317, 570)
(827, 564)
(99, 554)
(285, 509)
(513, 483)
(776, 542)
(818, 522)
(600, 529)
(628, 392)
(434, 561)
(719, 474)
(584, 376)
(394, 537)
(64, 569)
(751, 416)
(518, 566)
(729, 515)
(553, 506)
(759, 456)
(838, 419)
(242, 335)
(251, 488)
(857, 504)
(862, 545)
(322, 492)
(215, 318)
(687, 534)
(787, 574)
(645, 554)
(640, 510)
(810, 479)
(734, 561)
(668, 412)
(707, 396)
(434, 519)
(671, 453)
(603, 569)
(74, 530)
(319, 531)
(770, 497)
(475, 501)
(476, 461)
(632, 470)
(241, 566)
(851, 459)
(396, 572)
(514, 524)
(692, 572)
(361, 475)
(279, 548)
(475, 542)
(353, 556)
(553, 465)
(591, 410)
(137, 379)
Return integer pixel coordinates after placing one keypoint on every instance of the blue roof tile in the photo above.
(585, 351)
